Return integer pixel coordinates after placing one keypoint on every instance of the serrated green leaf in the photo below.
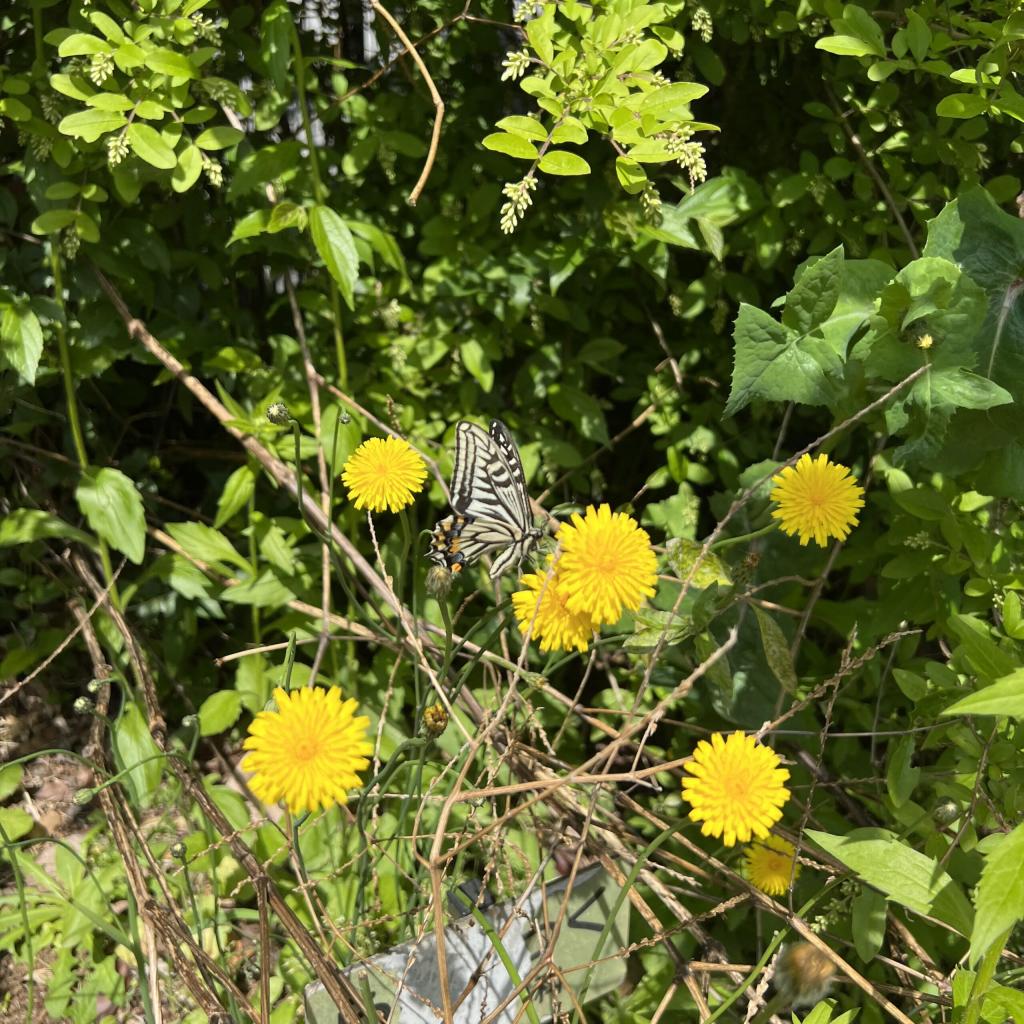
(250, 225)
(901, 777)
(148, 145)
(219, 711)
(776, 650)
(815, 294)
(112, 505)
(999, 899)
(511, 145)
(334, 243)
(558, 161)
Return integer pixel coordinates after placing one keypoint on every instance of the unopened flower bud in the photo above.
(83, 705)
(83, 797)
(435, 720)
(178, 851)
(278, 413)
(439, 581)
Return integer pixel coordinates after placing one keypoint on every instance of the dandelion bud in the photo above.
(439, 581)
(803, 974)
(278, 413)
(435, 720)
(83, 706)
(946, 812)
(83, 797)
(190, 721)
(95, 685)
(178, 851)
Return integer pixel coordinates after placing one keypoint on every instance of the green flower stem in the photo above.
(730, 541)
(19, 884)
(403, 561)
(296, 433)
(71, 401)
(507, 961)
(446, 617)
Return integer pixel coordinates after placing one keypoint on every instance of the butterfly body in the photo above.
(490, 506)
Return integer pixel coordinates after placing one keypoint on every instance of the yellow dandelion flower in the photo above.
(768, 864)
(737, 788)
(818, 499)
(308, 751)
(544, 603)
(607, 564)
(384, 473)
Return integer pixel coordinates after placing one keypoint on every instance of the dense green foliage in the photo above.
(670, 246)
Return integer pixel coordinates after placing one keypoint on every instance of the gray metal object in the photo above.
(405, 985)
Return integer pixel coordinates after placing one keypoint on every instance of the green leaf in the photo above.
(188, 168)
(250, 225)
(16, 822)
(961, 105)
(919, 35)
(205, 544)
(570, 129)
(21, 340)
(170, 62)
(985, 656)
(81, 44)
(1005, 697)
(999, 900)
(845, 46)
(149, 146)
(334, 243)
(902, 778)
(238, 489)
(779, 364)
(966, 390)
(137, 751)
(776, 650)
(110, 101)
(475, 359)
(868, 920)
(859, 23)
(912, 879)
(112, 505)
(815, 293)
(672, 102)
(286, 215)
(632, 177)
(221, 137)
(91, 124)
(558, 161)
(24, 525)
(265, 592)
(527, 127)
(275, 42)
(219, 711)
(15, 109)
(10, 779)
(107, 26)
(510, 145)
(540, 32)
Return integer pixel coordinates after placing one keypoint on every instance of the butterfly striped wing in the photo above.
(489, 500)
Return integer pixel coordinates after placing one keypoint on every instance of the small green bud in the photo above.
(178, 851)
(278, 413)
(83, 797)
(83, 705)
